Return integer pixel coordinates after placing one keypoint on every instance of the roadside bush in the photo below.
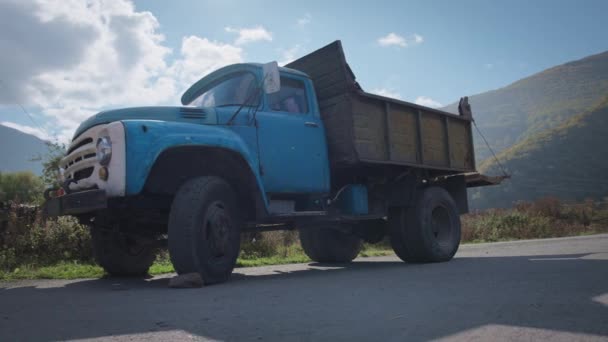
(25, 239)
(20, 187)
(269, 244)
(545, 218)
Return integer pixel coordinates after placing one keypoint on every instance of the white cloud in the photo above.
(427, 102)
(393, 39)
(76, 58)
(386, 92)
(249, 35)
(304, 20)
(28, 130)
(200, 56)
(289, 55)
(418, 38)
(488, 65)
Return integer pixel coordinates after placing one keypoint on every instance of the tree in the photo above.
(50, 167)
(21, 187)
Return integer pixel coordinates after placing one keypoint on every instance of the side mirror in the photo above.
(272, 78)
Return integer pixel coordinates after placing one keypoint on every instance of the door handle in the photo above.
(311, 124)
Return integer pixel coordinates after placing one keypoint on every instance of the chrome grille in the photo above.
(81, 158)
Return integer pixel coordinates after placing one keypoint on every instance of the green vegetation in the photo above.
(566, 161)
(60, 270)
(50, 166)
(542, 101)
(21, 187)
(545, 218)
(59, 249)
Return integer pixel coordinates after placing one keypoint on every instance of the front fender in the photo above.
(147, 139)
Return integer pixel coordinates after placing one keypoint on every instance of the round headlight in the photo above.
(104, 150)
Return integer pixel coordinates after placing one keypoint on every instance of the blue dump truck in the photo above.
(257, 147)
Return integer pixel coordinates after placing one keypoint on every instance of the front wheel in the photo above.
(204, 229)
(119, 254)
(427, 231)
(328, 244)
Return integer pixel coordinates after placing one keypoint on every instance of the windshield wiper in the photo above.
(253, 95)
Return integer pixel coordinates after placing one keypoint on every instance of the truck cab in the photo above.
(255, 147)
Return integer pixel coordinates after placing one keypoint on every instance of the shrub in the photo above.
(544, 218)
(26, 239)
(20, 187)
(268, 244)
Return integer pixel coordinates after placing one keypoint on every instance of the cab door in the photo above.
(291, 140)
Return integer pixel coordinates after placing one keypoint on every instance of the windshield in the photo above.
(231, 91)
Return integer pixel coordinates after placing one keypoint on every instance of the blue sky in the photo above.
(469, 46)
(430, 51)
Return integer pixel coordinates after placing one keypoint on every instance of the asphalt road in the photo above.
(554, 289)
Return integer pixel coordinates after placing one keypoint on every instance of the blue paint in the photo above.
(144, 113)
(286, 152)
(353, 200)
(143, 148)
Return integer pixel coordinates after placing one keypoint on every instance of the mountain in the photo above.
(568, 162)
(20, 151)
(542, 101)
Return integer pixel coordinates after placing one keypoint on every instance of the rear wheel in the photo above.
(204, 229)
(427, 231)
(119, 254)
(326, 244)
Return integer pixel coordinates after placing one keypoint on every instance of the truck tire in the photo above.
(427, 231)
(204, 229)
(119, 255)
(326, 244)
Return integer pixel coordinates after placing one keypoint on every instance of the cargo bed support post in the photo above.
(419, 136)
(446, 124)
(387, 140)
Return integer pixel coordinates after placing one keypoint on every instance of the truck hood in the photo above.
(206, 116)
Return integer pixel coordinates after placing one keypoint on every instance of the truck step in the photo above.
(281, 206)
(302, 214)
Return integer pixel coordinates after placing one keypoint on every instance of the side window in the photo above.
(291, 98)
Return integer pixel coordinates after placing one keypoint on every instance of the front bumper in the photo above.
(76, 203)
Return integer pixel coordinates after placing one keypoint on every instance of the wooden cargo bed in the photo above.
(368, 128)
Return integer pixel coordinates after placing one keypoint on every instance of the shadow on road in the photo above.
(364, 300)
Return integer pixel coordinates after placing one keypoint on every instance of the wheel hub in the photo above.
(218, 225)
(440, 225)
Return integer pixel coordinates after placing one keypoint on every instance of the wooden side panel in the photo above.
(369, 130)
(363, 127)
(433, 140)
(460, 145)
(402, 134)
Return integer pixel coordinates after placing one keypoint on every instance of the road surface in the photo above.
(553, 289)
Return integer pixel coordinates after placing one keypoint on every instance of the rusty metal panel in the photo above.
(328, 69)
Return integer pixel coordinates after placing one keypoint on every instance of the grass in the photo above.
(76, 270)
(60, 249)
(61, 270)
